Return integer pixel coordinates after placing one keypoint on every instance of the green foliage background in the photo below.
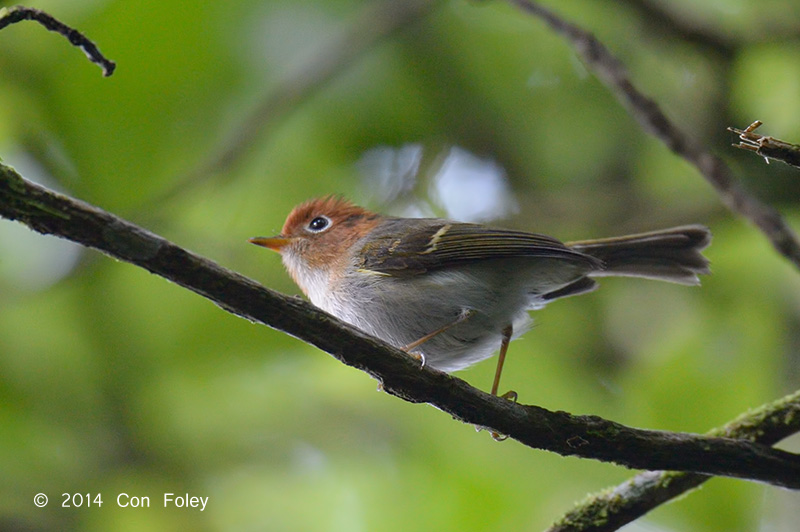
(115, 381)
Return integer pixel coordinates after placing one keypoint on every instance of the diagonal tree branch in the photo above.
(652, 119)
(586, 436)
(560, 432)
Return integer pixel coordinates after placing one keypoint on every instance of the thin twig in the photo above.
(12, 15)
(767, 147)
(650, 117)
(586, 436)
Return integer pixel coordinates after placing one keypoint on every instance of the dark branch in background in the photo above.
(632, 499)
(375, 22)
(707, 32)
(767, 147)
(586, 436)
(660, 17)
(650, 117)
(11, 15)
(644, 492)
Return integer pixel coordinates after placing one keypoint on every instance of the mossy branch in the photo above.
(560, 432)
(615, 507)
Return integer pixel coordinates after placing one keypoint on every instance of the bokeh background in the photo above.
(114, 381)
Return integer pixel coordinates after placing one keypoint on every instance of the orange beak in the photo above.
(275, 243)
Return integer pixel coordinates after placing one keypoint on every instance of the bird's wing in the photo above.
(428, 244)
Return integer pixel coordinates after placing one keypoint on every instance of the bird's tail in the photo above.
(669, 255)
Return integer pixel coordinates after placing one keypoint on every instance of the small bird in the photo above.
(453, 293)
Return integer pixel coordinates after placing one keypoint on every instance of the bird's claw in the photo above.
(419, 357)
(512, 396)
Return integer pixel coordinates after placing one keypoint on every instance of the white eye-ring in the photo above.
(319, 224)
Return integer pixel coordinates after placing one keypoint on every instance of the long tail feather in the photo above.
(669, 255)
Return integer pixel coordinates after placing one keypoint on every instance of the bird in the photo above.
(453, 293)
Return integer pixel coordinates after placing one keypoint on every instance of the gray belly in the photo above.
(401, 310)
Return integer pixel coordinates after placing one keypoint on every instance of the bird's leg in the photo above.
(465, 314)
(511, 395)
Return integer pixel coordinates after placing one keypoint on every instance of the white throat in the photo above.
(312, 281)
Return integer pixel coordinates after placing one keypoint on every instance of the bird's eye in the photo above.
(319, 224)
